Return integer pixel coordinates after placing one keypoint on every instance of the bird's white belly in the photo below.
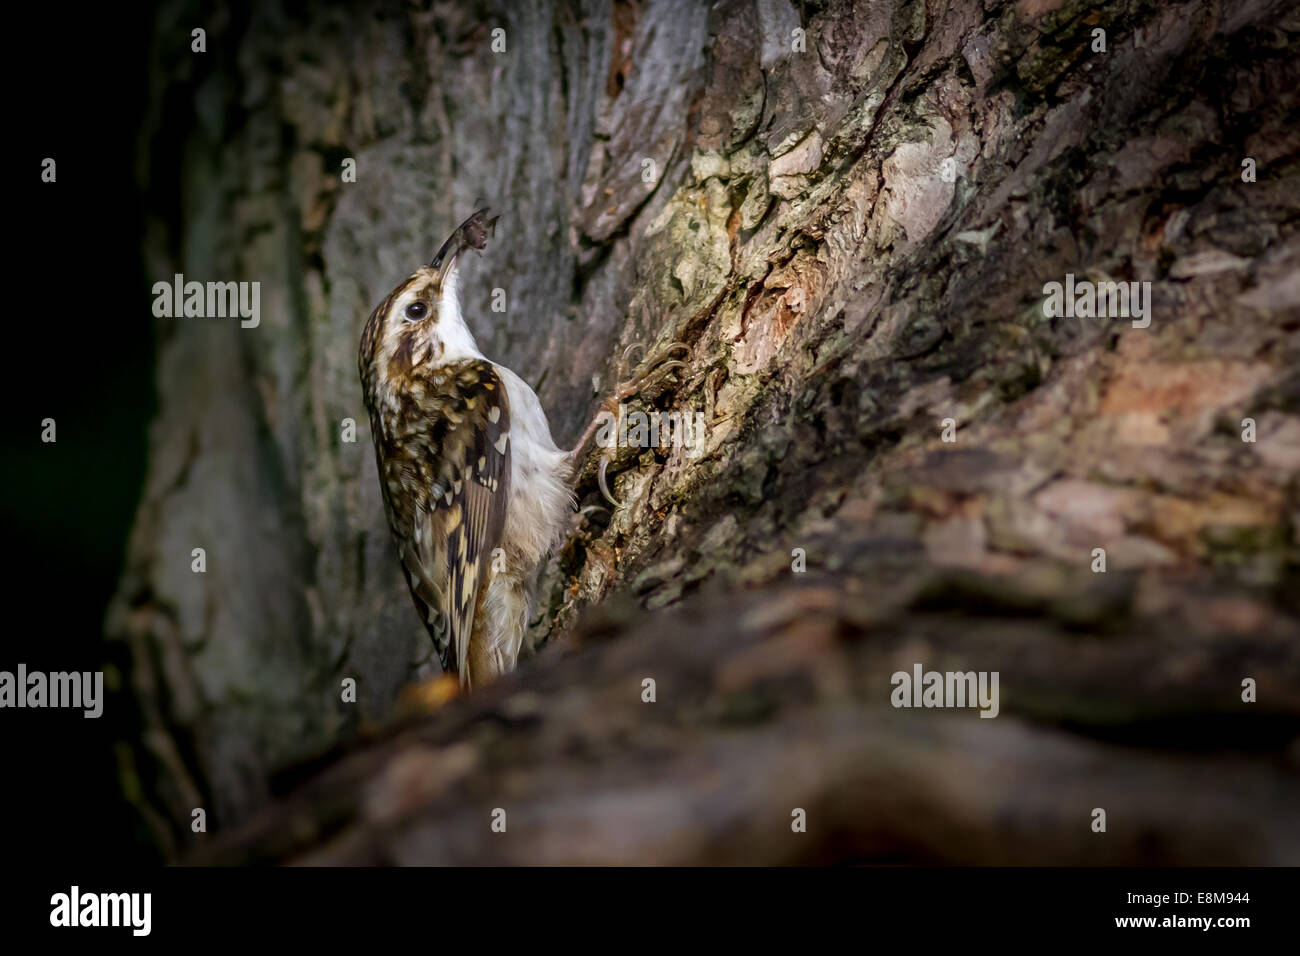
(539, 474)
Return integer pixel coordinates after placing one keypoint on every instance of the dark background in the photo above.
(79, 350)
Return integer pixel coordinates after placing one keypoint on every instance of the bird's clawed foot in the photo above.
(603, 483)
(658, 364)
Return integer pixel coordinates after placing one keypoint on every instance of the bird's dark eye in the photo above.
(416, 311)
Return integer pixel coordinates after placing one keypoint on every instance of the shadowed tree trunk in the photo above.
(849, 212)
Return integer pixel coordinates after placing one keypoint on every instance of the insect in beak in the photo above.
(471, 234)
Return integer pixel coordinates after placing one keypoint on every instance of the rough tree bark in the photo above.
(848, 211)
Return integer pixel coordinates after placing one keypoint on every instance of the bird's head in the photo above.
(420, 322)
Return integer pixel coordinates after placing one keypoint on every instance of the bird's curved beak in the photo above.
(471, 234)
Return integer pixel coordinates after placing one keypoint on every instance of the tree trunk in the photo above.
(849, 213)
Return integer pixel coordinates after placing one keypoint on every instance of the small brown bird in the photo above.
(475, 489)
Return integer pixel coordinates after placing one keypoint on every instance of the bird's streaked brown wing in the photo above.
(459, 483)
